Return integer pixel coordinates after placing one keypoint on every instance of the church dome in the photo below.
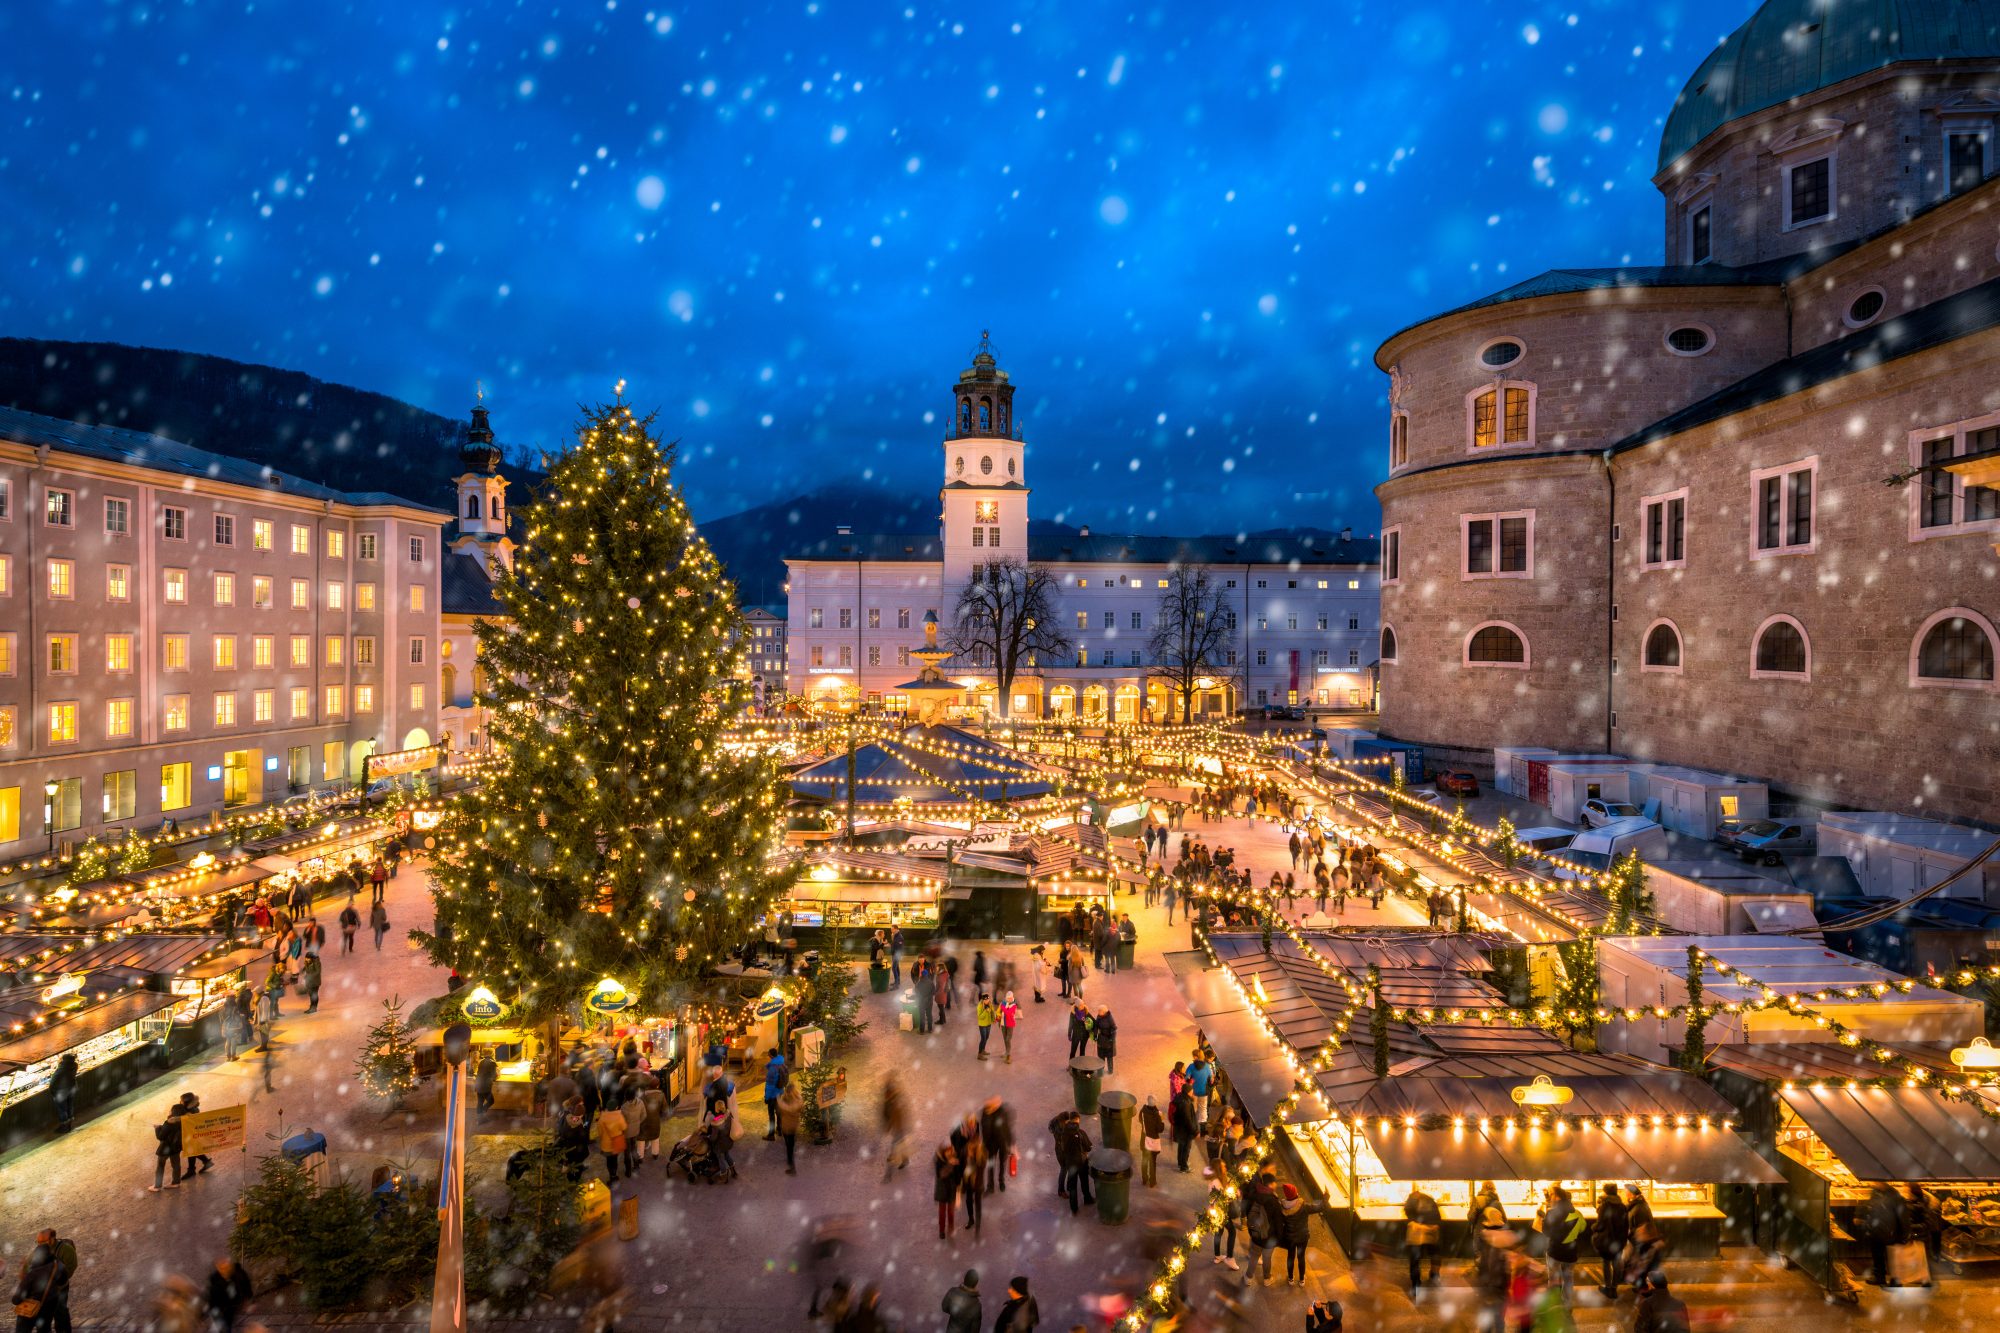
(1790, 48)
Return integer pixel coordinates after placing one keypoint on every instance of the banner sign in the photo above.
(214, 1131)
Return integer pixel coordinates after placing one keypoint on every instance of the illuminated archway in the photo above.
(416, 738)
(1093, 701)
(1062, 701)
(1125, 704)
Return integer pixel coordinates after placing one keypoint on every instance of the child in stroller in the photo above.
(700, 1156)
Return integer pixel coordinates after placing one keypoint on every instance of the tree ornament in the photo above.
(687, 895)
(541, 819)
(632, 602)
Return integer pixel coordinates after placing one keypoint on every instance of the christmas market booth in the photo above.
(1840, 1122)
(1463, 1090)
(844, 896)
(124, 1008)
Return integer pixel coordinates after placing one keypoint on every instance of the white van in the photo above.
(1595, 849)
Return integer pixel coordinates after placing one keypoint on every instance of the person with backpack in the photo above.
(1073, 1147)
(1564, 1226)
(190, 1104)
(1262, 1223)
(1422, 1229)
(1608, 1235)
(167, 1149)
(1080, 1022)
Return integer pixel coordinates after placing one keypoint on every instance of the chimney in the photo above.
(843, 531)
(1347, 534)
(1083, 531)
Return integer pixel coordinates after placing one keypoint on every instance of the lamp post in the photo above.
(448, 1293)
(49, 811)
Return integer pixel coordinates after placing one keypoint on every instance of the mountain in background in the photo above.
(355, 440)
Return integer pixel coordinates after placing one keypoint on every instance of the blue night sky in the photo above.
(1187, 226)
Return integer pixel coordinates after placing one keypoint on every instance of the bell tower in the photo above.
(482, 491)
(984, 499)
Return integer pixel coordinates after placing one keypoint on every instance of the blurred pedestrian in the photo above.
(945, 1180)
(1152, 1136)
(228, 1288)
(790, 1107)
(961, 1305)
(1019, 1314)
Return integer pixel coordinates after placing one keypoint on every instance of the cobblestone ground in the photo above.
(732, 1256)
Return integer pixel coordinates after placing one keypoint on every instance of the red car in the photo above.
(1458, 782)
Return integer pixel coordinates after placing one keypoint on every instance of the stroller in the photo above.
(696, 1155)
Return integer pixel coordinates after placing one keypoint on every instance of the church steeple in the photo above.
(478, 453)
(984, 399)
(482, 491)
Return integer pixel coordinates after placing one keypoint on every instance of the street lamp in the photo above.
(448, 1293)
(49, 811)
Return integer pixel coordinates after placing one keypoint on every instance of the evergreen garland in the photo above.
(1378, 1021)
(615, 835)
(1694, 1047)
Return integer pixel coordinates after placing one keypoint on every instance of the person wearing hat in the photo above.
(1295, 1229)
(961, 1305)
(1660, 1311)
(1019, 1314)
(1608, 1234)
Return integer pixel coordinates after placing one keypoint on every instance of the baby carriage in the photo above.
(696, 1155)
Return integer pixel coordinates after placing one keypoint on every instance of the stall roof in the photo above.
(1899, 1134)
(223, 964)
(870, 891)
(219, 880)
(1443, 1154)
(1484, 1087)
(1570, 1155)
(154, 955)
(1675, 1154)
(24, 950)
(1787, 966)
(889, 867)
(1388, 949)
(77, 1028)
(1691, 1156)
(1780, 1062)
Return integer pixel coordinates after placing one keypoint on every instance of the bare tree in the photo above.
(1006, 620)
(1189, 631)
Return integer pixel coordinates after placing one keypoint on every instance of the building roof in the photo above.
(114, 444)
(1262, 548)
(879, 546)
(1957, 316)
(924, 765)
(464, 588)
(1790, 48)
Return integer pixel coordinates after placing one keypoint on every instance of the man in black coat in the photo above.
(961, 1305)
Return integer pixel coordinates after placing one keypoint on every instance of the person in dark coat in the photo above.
(1421, 1210)
(1105, 1030)
(1019, 1314)
(924, 983)
(1660, 1311)
(1181, 1119)
(1079, 1030)
(961, 1305)
(946, 1173)
(167, 1150)
(1637, 1211)
(1608, 1233)
(1888, 1224)
(44, 1280)
(228, 1288)
(996, 1135)
(485, 1075)
(62, 1087)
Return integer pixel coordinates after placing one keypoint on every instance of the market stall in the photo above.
(117, 1036)
(846, 895)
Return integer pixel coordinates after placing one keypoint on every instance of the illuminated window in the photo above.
(225, 710)
(121, 790)
(176, 786)
(59, 509)
(262, 709)
(10, 813)
(416, 696)
(6, 576)
(301, 594)
(336, 545)
(62, 724)
(333, 701)
(118, 718)
(62, 578)
(7, 731)
(416, 596)
(62, 654)
(364, 650)
(364, 597)
(1503, 414)
(260, 651)
(174, 713)
(336, 595)
(260, 534)
(336, 649)
(6, 654)
(174, 652)
(177, 587)
(364, 698)
(225, 590)
(330, 759)
(302, 650)
(260, 592)
(118, 583)
(118, 652)
(987, 511)
(301, 702)
(364, 546)
(302, 539)
(225, 652)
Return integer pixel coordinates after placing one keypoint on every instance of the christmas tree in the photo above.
(616, 835)
(387, 1065)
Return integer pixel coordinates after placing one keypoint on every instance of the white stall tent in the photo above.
(1727, 898)
(1570, 785)
(1694, 801)
(1896, 856)
(1505, 770)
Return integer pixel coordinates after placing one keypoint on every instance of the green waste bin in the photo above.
(1115, 1113)
(878, 980)
(1127, 953)
(1111, 1172)
(1087, 1076)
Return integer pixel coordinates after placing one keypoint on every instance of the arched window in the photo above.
(1003, 418)
(1662, 650)
(1388, 644)
(1502, 413)
(1781, 650)
(965, 414)
(986, 414)
(1954, 647)
(493, 507)
(1496, 644)
(471, 505)
(448, 684)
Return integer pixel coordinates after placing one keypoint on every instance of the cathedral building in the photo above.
(1301, 618)
(1726, 510)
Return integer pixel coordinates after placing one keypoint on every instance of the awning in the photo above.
(223, 964)
(275, 864)
(1899, 1134)
(1437, 1154)
(1697, 1156)
(1574, 1154)
(818, 891)
(54, 1039)
(1776, 918)
(154, 955)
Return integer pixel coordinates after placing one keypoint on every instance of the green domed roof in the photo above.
(1789, 48)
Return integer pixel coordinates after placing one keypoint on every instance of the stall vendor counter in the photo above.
(835, 914)
(514, 1089)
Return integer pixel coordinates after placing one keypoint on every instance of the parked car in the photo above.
(1544, 840)
(1767, 840)
(1597, 813)
(1458, 782)
(1598, 848)
(1285, 713)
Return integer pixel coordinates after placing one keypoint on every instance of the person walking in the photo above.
(62, 1087)
(895, 1127)
(1181, 1118)
(1105, 1031)
(945, 1177)
(996, 1135)
(791, 1105)
(961, 1305)
(1608, 1234)
(1423, 1225)
(167, 1150)
(1169, 895)
(924, 983)
(972, 1180)
(41, 1297)
(1201, 1075)
(980, 972)
(1152, 1136)
(609, 1130)
(1080, 1023)
(1073, 1147)
(1019, 1314)
(309, 982)
(983, 1016)
(350, 921)
(1564, 1226)
(190, 1104)
(378, 921)
(228, 1288)
(776, 1075)
(1231, 1210)
(1039, 971)
(1294, 1229)
(1010, 1015)
(485, 1075)
(896, 957)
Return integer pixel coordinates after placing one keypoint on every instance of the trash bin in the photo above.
(1115, 1113)
(878, 980)
(1127, 952)
(1111, 1173)
(1087, 1076)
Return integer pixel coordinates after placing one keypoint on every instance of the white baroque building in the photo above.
(1305, 608)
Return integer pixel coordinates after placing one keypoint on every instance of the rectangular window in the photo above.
(1354, 657)
(225, 652)
(1319, 657)
(121, 793)
(364, 650)
(335, 701)
(846, 655)
(816, 656)
(62, 724)
(1262, 658)
(174, 523)
(225, 590)
(1809, 193)
(6, 515)
(416, 652)
(1291, 622)
(6, 576)
(174, 713)
(68, 805)
(979, 536)
(301, 702)
(118, 583)
(336, 545)
(1354, 622)
(225, 530)
(1083, 620)
(874, 655)
(260, 651)
(301, 594)
(118, 653)
(174, 652)
(1111, 620)
(416, 550)
(260, 534)
(364, 597)
(1945, 503)
(986, 511)
(263, 707)
(1664, 524)
(847, 617)
(1701, 239)
(336, 596)
(992, 536)
(117, 517)
(816, 618)
(1392, 555)
(176, 786)
(62, 579)
(7, 731)
(416, 697)
(336, 649)
(225, 709)
(260, 592)
(177, 587)
(1399, 439)
(329, 762)
(364, 546)
(874, 617)
(59, 509)
(1498, 545)
(902, 657)
(1319, 622)
(1784, 508)
(364, 698)
(903, 617)
(1138, 620)
(302, 650)
(302, 539)
(416, 596)
(62, 654)
(1966, 154)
